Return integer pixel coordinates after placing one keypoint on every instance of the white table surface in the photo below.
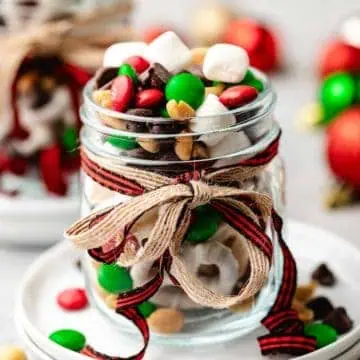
(307, 177)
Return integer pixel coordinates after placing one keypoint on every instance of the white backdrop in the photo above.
(303, 24)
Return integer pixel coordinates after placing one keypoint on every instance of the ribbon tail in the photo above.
(286, 330)
(126, 305)
(140, 322)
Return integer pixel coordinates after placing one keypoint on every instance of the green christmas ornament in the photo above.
(69, 339)
(186, 87)
(337, 93)
(205, 226)
(114, 278)
(129, 71)
(324, 334)
(122, 142)
(69, 139)
(146, 308)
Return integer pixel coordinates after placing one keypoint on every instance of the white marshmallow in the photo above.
(215, 119)
(116, 54)
(226, 63)
(350, 31)
(169, 51)
(231, 144)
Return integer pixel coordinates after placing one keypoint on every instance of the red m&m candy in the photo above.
(72, 299)
(138, 63)
(149, 98)
(122, 91)
(236, 96)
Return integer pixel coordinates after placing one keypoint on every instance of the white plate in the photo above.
(35, 222)
(34, 217)
(36, 352)
(55, 270)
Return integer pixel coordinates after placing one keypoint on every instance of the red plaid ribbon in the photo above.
(286, 330)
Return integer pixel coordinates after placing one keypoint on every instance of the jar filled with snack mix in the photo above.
(183, 195)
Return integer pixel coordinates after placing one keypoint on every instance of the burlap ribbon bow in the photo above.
(175, 202)
(105, 234)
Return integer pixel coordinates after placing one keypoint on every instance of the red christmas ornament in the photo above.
(258, 40)
(51, 171)
(72, 299)
(343, 146)
(339, 56)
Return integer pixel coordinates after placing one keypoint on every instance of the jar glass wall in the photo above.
(161, 147)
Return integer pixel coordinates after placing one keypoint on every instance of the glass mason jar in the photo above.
(212, 249)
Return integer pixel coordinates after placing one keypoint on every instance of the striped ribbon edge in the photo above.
(109, 179)
(140, 322)
(286, 330)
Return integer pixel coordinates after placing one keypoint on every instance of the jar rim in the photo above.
(265, 103)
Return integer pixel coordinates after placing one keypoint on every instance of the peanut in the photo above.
(110, 301)
(200, 151)
(149, 145)
(216, 90)
(184, 147)
(103, 98)
(198, 55)
(305, 292)
(306, 315)
(11, 352)
(180, 111)
(297, 305)
(166, 321)
(113, 122)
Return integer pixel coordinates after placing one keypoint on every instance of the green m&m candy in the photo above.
(69, 139)
(337, 93)
(324, 334)
(129, 71)
(186, 87)
(114, 278)
(69, 339)
(146, 308)
(357, 91)
(205, 225)
(251, 80)
(164, 113)
(122, 142)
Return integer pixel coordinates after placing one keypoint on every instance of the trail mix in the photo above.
(322, 319)
(181, 91)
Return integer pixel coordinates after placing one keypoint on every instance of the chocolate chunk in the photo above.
(104, 75)
(172, 127)
(140, 112)
(140, 153)
(157, 77)
(321, 306)
(138, 126)
(324, 276)
(339, 320)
